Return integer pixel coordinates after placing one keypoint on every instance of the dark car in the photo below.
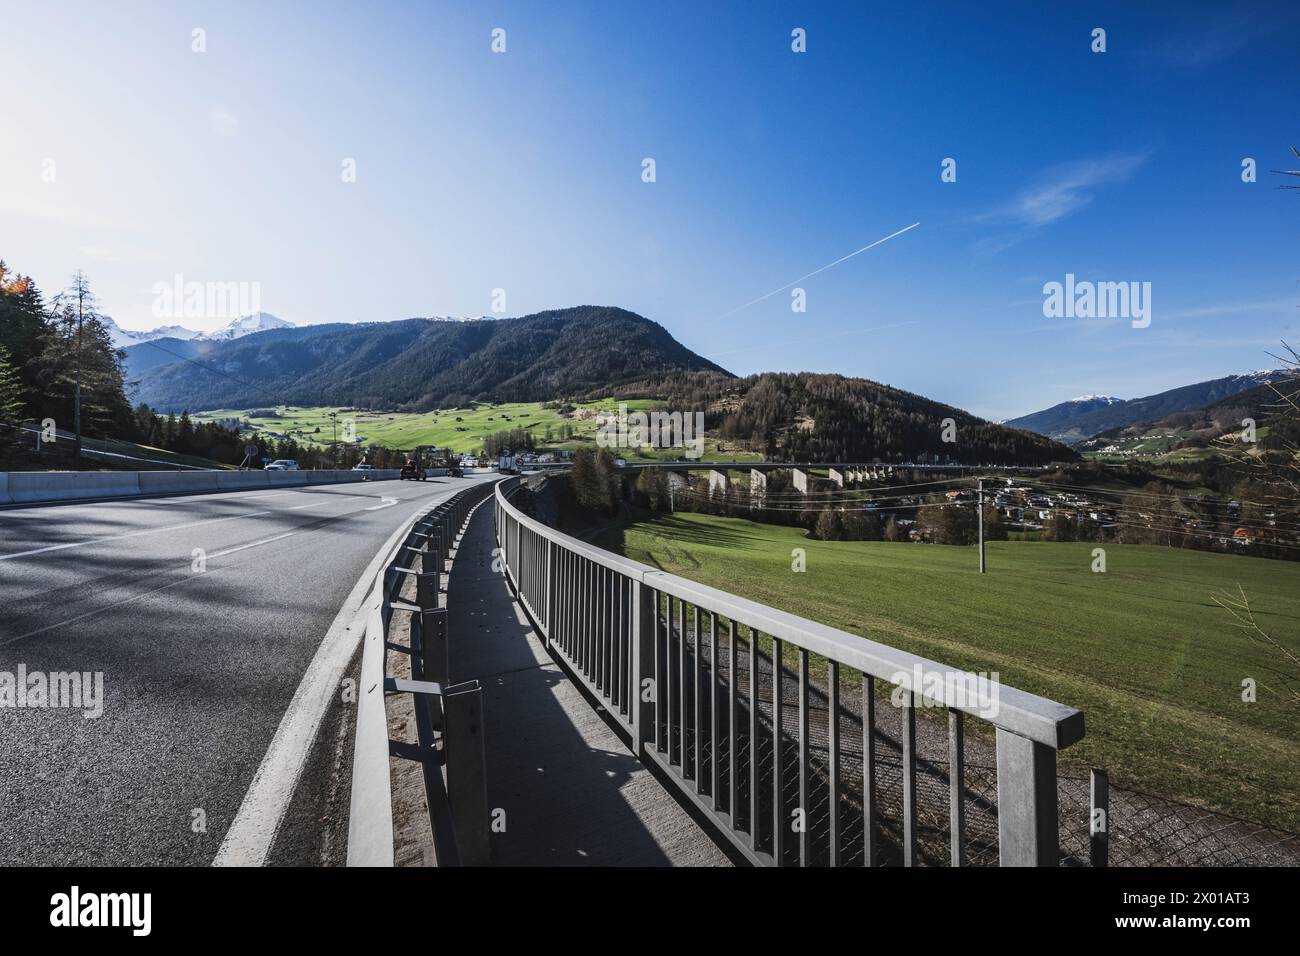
(453, 471)
(413, 470)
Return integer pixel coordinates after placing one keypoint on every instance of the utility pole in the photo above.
(979, 507)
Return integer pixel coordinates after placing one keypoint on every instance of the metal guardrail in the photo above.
(697, 678)
(448, 717)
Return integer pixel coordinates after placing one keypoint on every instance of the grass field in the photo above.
(1156, 666)
(460, 429)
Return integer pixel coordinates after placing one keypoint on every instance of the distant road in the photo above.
(199, 666)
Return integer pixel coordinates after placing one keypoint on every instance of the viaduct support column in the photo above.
(757, 487)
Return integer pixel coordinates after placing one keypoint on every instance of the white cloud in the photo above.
(1068, 188)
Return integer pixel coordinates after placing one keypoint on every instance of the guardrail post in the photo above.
(550, 591)
(466, 772)
(1027, 820)
(426, 582)
(643, 667)
(439, 552)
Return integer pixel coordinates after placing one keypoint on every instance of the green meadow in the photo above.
(460, 429)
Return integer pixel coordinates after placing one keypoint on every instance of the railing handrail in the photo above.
(1027, 715)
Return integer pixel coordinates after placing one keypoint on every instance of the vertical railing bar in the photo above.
(868, 770)
(713, 711)
(616, 645)
(670, 644)
(697, 675)
(590, 614)
(753, 739)
(731, 723)
(681, 684)
(1098, 818)
(833, 746)
(909, 779)
(562, 604)
(778, 769)
(601, 679)
(607, 644)
(956, 787)
(584, 615)
(660, 687)
(575, 643)
(575, 652)
(570, 562)
(805, 847)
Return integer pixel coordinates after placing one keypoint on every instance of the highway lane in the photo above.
(202, 612)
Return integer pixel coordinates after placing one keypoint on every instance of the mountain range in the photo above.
(1081, 418)
(413, 364)
(237, 328)
(421, 364)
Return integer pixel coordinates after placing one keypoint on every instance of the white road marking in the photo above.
(136, 597)
(175, 527)
(386, 502)
(130, 534)
(245, 547)
(249, 839)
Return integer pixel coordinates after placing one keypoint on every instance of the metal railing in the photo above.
(448, 717)
(768, 721)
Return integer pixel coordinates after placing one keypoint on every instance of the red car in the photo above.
(413, 470)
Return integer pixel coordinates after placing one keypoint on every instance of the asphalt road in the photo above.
(198, 666)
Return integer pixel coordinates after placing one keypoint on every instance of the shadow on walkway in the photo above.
(571, 791)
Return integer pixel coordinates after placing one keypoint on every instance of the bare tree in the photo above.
(1290, 172)
(1288, 673)
(79, 300)
(1276, 469)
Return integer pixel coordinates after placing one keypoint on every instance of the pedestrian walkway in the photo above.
(564, 789)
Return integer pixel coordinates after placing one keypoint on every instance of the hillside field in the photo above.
(1142, 649)
(460, 429)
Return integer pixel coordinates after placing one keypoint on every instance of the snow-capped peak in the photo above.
(1108, 399)
(123, 338)
(238, 328)
(247, 325)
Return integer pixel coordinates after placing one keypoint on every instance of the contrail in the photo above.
(822, 269)
(823, 338)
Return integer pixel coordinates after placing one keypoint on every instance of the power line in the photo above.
(214, 371)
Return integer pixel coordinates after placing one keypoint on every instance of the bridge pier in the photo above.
(717, 481)
(800, 479)
(836, 475)
(757, 487)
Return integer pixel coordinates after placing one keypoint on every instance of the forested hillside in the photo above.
(417, 364)
(806, 416)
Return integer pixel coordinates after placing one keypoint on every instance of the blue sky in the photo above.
(522, 170)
